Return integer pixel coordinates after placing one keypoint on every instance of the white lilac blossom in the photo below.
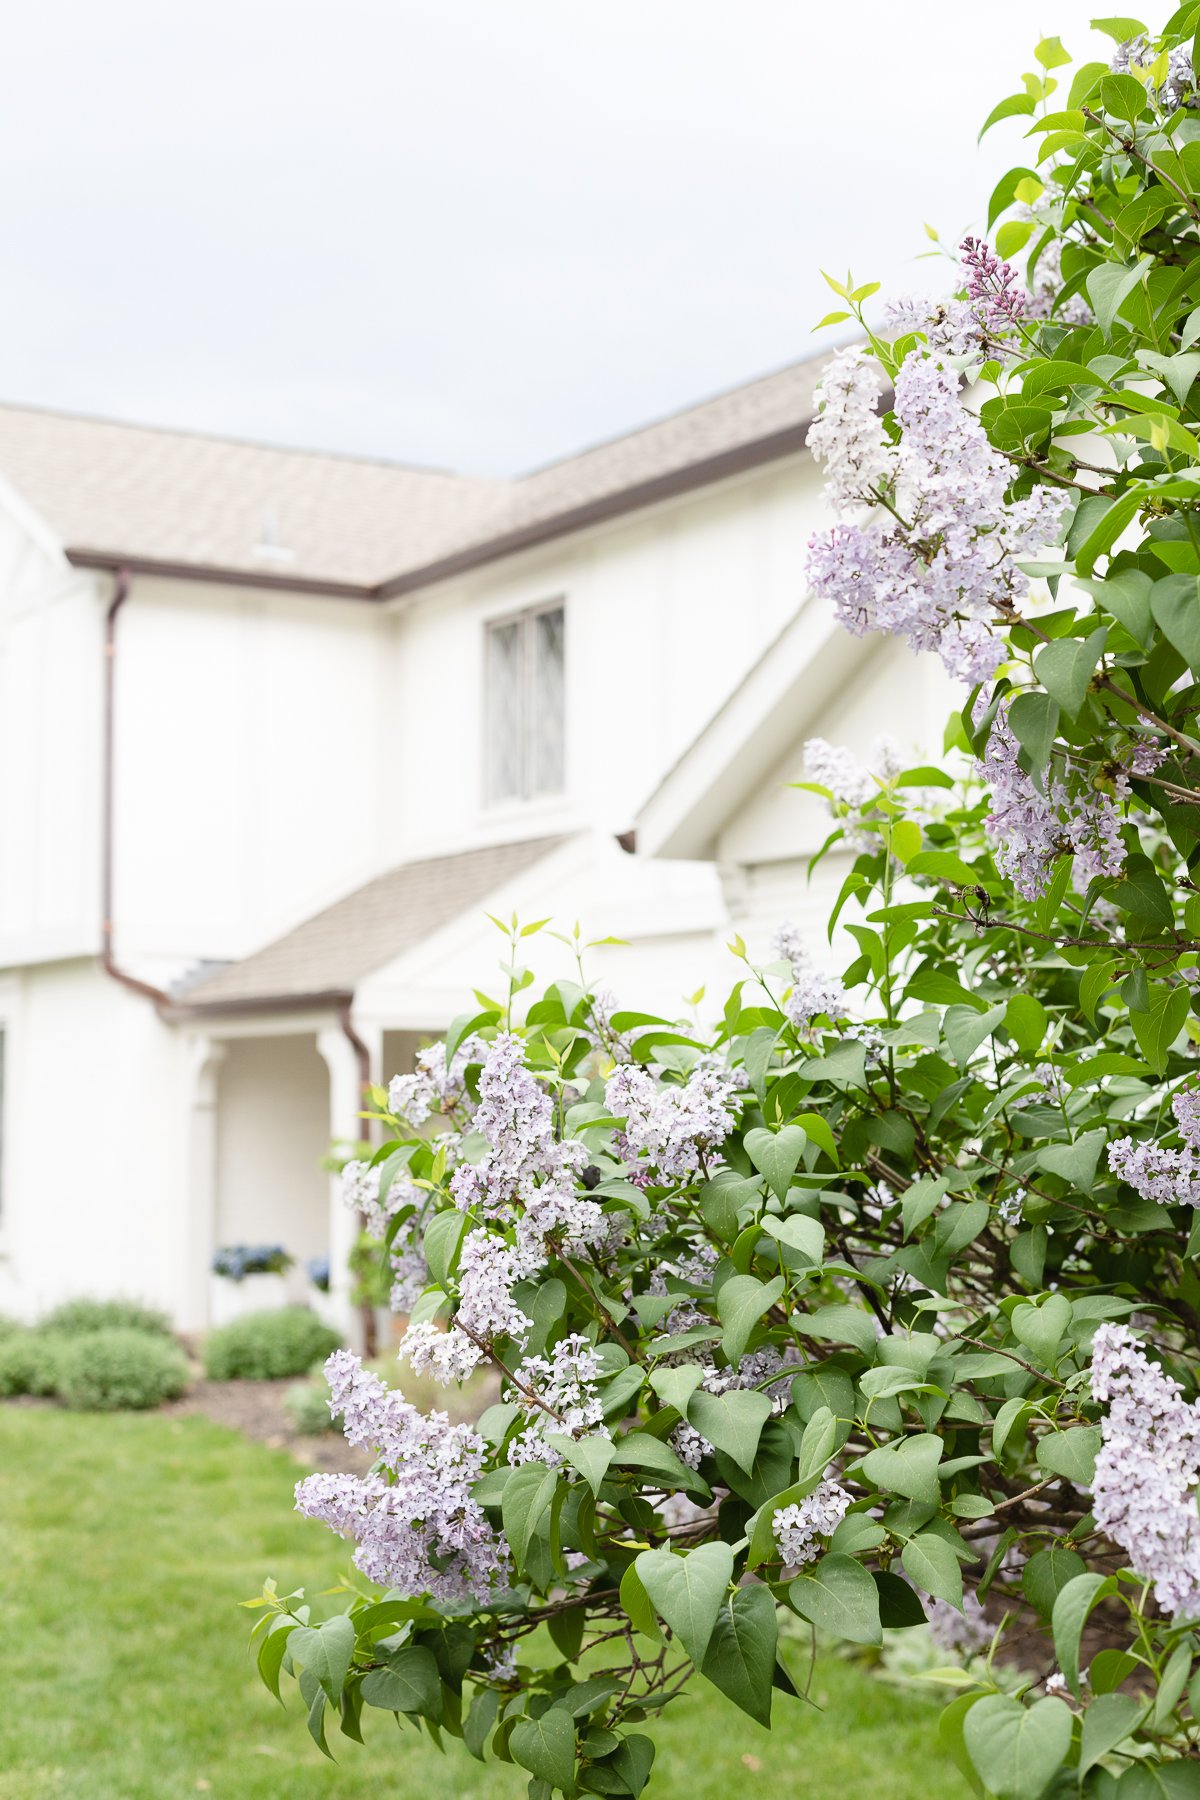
(527, 1174)
(671, 1125)
(516, 1117)
(814, 991)
(689, 1446)
(938, 566)
(500, 1661)
(1144, 759)
(949, 327)
(687, 1315)
(696, 1265)
(1158, 1171)
(797, 1527)
(1143, 1491)
(558, 1394)
(956, 1633)
(489, 1268)
(360, 1192)
(835, 767)
(1177, 87)
(1033, 828)
(449, 1356)
(419, 1530)
(752, 1371)
(434, 1085)
(847, 434)
(1011, 1210)
(410, 1276)
(852, 785)
(976, 326)
(525, 1182)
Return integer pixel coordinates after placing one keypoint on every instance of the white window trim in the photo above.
(549, 799)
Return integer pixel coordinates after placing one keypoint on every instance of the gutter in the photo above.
(710, 469)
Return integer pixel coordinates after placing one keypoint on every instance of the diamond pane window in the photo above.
(524, 754)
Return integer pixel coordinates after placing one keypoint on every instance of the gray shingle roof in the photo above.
(175, 496)
(127, 491)
(332, 952)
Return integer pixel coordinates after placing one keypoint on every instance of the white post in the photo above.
(204, 1057)
(345, 1105)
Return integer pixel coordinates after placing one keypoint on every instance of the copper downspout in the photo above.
(108, 961)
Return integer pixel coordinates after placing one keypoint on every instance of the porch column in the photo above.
(204, 1057)
(345, 1104)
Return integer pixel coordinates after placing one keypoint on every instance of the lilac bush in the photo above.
(871, 1306)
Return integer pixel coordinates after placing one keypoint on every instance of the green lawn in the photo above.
(125, 1543)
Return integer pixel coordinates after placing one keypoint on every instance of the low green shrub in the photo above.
(266, 1345)
(10, 1327)
(30, 1362)
(75, 1317)
(120, 1368)
(307, 1406)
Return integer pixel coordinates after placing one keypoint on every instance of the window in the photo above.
(524, 722)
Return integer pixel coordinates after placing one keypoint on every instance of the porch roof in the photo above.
(328, 955)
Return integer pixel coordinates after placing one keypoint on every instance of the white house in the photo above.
(278, 730)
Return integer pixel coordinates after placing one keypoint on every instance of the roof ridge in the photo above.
(680, 412)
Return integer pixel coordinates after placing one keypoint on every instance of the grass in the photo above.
(125, 1544)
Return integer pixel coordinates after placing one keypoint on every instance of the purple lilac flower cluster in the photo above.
(434, 1085)
(418, 1528)
(516, 1117)
(360, 1193)
(950, 327)
(1143, 1491)
(1033, 829)
(977, 326)
(797, 1527)
(993, 286)
(938, 564)
(847, 433)
(814, 992)
(670, 1128)
(410, 1277)
(852, 785)
(567, 1399)
(1157, 1171)
(524, 1184)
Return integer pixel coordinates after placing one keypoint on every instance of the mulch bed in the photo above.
(256, 1409)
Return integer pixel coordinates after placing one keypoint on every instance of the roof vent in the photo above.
(268, 547)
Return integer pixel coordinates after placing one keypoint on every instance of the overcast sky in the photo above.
(473, 233)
